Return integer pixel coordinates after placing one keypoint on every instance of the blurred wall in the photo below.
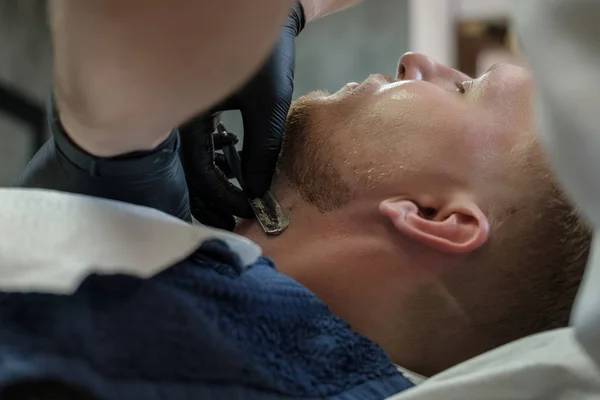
(346, 47)
(25, 68)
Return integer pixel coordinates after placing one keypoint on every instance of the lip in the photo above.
(348, 88)
(374, 81)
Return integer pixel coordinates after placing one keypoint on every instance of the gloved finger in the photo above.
(220, 140)
(222, 194)
(297, 19)
(223, 165)
(207, 215)
(263, 137)
(199, 209)
(217, 191)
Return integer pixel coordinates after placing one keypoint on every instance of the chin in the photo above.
(304, 110)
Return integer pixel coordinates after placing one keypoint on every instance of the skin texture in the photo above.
(397, 190)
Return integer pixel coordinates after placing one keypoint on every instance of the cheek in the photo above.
(424, 131)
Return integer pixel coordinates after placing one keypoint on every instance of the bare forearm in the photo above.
(315, 9)
(128, 71)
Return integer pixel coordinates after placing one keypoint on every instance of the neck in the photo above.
(333, 239)
(350, 258)
(385, 286)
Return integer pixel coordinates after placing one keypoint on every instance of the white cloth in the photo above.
(50, 241)
(414, 378)
(548, 366)
(560, 43)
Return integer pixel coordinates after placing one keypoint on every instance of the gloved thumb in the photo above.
(263, 137)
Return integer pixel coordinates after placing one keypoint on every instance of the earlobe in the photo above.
(458, 227)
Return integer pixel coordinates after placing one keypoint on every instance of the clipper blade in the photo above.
(271, 217)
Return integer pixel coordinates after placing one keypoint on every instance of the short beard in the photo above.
(309, 161)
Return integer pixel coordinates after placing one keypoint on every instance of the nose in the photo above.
(415, 66)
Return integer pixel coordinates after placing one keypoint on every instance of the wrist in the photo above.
(102, 141)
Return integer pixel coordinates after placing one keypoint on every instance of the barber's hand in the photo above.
(212, 196)
(264, 103)
(152, 178)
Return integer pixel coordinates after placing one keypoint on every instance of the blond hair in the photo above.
(537, 252)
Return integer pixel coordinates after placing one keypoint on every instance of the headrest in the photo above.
(560, 43)
(586, 314)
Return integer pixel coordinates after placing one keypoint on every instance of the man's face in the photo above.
(430, 135)
(430, 126)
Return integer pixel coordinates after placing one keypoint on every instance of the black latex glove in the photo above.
(264, 103)
(205, 169)
(152, 178)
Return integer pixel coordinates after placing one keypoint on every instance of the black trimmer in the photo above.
(271, 217)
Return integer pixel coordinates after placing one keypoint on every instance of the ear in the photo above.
(458, 227)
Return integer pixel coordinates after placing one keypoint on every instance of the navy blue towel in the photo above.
(205, 328)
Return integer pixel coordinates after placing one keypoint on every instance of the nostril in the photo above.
(401, 71)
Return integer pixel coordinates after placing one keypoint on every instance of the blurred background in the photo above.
(369, 38)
